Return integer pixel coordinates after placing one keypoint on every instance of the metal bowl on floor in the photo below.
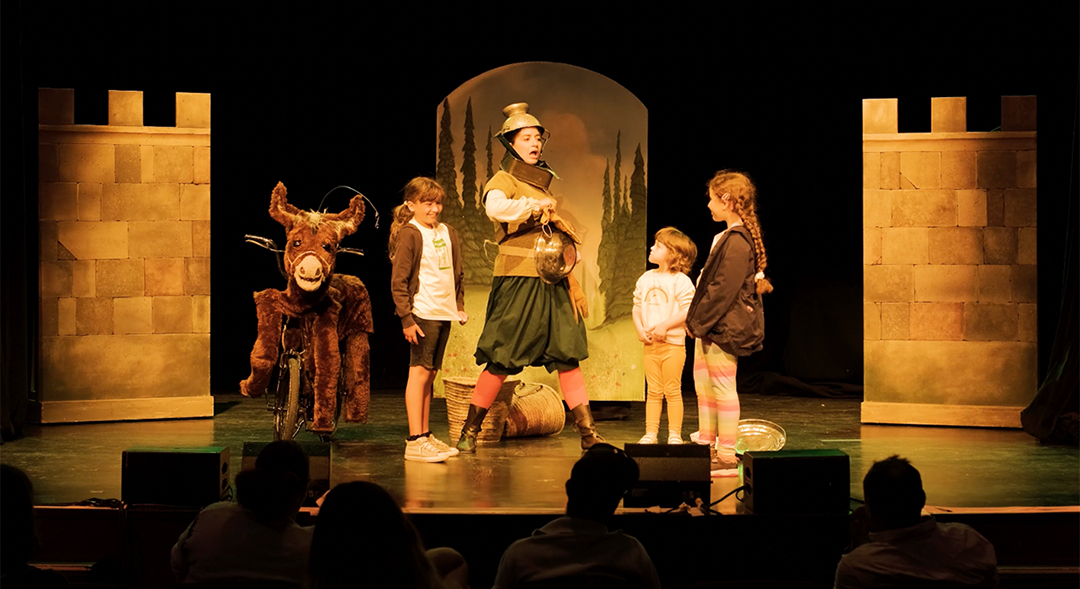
(759, 435)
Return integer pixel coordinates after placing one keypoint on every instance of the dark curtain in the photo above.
(17, 275)
(1054, 415)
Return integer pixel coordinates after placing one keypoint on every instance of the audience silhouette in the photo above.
(18, 538)
(906, 548)
(577, 550)
(362, 537)
(255, 538)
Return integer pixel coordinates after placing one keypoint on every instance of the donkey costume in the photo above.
(334, 311)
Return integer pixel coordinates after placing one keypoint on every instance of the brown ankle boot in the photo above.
(467, 443)
(585, 426)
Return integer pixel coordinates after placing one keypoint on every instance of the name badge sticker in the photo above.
(442, 253)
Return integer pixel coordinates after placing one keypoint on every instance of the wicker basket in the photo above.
(537, 410)
(459, 391)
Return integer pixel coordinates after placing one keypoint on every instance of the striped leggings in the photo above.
(717, 397)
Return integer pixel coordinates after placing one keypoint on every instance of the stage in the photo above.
(962, 468)
(1022, 495)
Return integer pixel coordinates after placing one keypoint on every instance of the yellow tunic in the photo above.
(515, 235)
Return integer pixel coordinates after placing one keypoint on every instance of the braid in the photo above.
(744, 202)
(750, 221)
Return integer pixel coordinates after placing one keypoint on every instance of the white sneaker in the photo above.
(694, 437)
(674, 437)
(648, 438)
(442, 447)
(422, 450)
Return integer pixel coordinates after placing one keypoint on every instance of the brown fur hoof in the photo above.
(247, 392)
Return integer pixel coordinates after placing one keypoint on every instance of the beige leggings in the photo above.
(663, 375)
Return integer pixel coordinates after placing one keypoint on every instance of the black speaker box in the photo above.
(797, 482)
(671, 474)
(175, 476)
(318, 466)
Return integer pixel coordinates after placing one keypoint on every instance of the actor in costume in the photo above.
(534, 316)
(334, 311)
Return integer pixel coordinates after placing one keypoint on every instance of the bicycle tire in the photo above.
(288, 409)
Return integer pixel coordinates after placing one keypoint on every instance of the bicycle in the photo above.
(317, 326)
(293, 403)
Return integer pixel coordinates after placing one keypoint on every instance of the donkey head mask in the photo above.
(312, 238)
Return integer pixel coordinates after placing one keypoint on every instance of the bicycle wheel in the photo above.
(288, 405)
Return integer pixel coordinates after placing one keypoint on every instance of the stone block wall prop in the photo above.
(124, 226)
(949, 266)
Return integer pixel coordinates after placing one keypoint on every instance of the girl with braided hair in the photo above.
(725, 315)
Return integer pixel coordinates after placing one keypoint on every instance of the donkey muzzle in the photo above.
(309, 272)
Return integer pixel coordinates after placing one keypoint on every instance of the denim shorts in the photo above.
(430, 349)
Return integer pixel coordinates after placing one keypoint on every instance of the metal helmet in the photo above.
(518, 117)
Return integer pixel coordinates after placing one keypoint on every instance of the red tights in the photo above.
(571, 382)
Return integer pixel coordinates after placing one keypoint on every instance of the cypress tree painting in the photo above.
(468, 166)
(618, 169)
(445, 174)
(490, 171)
(635, 241)
(475, 226)
(609, 246)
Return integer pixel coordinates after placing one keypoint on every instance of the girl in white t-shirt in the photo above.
(661, 299)
(428, 290)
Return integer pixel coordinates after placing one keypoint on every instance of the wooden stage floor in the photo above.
(962, 468)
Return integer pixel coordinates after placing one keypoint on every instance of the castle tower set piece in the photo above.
(949, 266)
(124, 290)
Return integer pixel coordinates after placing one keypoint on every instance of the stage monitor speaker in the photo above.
(193, 477)
(318, 469)
(797, 482)
(671, 474)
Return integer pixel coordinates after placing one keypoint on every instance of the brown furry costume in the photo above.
(334, 309)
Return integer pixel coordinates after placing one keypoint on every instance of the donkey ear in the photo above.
(349, 219)
(280, 209)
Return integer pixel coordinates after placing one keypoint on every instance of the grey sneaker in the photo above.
(422, 450)
(444, 448)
